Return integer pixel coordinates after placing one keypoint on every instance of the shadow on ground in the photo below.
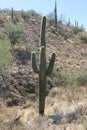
(22, 56)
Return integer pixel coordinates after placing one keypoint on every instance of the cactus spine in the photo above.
(43, 70)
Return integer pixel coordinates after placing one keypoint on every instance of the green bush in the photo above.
(2, 36)
(15, 33)
(69, 78)
(5, 55)
(2, 22)
(57, 77)
(77, 29)
(52, 29)
(25, 16)
(28, 15)
(82, 78)
(83, 36)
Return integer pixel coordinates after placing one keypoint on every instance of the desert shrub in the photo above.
(52, 29)
(25, 16)
(2, 22)
(33, 13)
(65, 33)
(77, 29)
(57, 77)
(83, 36)
(82, 78)
(78, 78)
(61, 19)
(51, 18)
(2, 36)
(69, 78)
(5, 55)
(15, 33)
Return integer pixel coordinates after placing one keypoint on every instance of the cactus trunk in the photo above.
(42, 94)
(42, 81)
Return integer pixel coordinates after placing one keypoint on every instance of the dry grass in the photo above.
(62, 112)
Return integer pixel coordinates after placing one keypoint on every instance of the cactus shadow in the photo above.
(56, 118)
(64, 118)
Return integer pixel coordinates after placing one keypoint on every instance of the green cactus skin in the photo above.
(43, 71)
(34, 66)
(42, 80)
(51, 65)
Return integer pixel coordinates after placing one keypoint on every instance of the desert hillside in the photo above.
(66, 86)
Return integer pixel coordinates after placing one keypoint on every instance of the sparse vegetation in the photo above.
(83, 36)
(33, 13)
(51, 18)
(15, 33)
(70, 78)
(25, 16)
(76, 29)
(61, 19)
(2, 22)
(5, 55)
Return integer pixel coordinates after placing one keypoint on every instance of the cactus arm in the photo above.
(34, 66)
(43, 42)
(51, 65)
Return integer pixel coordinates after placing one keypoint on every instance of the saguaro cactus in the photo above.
(12, 13)
(55, 11)
(43, 70)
